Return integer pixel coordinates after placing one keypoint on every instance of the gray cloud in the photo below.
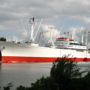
(12, 11)
(44, 8)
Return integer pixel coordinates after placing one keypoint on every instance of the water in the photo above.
(27, 73)
(23, 74)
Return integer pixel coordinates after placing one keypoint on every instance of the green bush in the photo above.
(9, 85)
(2, 39)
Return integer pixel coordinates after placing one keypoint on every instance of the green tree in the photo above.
(64, 71)
(2, 39)
(44, 84)
(9, 85)
(21, 88)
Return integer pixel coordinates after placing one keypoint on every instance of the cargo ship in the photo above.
(33, 52)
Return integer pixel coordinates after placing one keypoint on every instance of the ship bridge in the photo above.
(69, 43)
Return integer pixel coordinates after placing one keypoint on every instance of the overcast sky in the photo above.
(65, 15)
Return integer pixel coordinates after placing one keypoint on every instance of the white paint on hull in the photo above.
(12, 49)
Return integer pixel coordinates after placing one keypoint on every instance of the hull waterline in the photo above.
(13, 59)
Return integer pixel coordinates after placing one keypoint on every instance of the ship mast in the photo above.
(86, 38)
(32, 29)
(82, 41)
(51, 42)
(33, 24)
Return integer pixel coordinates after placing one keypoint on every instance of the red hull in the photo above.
(10, 59)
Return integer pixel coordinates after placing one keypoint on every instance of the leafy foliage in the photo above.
(64, 70)
(2, 39)
(8, 86)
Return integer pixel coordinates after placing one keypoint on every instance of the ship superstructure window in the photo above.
(77, 44)
(60, 40)
(74, 44)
